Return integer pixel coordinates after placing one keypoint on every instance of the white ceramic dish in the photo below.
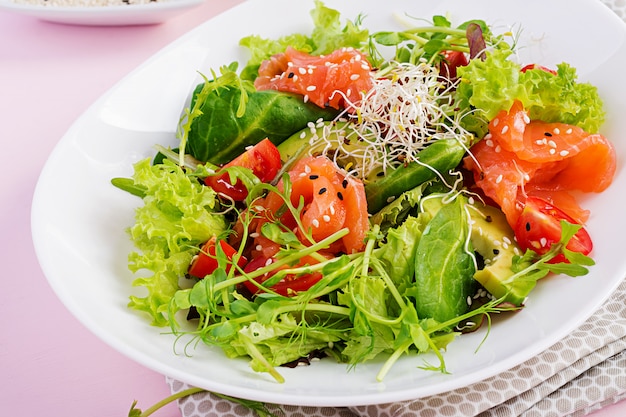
(117, 15)
(79, 218)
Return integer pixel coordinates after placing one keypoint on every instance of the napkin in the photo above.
(581, 373)
(576, 376)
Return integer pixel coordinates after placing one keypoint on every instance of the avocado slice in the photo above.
(335, 133)
(494, 240)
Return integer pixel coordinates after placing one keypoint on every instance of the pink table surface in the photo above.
(50, 364)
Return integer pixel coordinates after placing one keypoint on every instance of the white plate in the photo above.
(79, 219)
(118, 15)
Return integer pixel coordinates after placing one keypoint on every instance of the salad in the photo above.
(360, 195)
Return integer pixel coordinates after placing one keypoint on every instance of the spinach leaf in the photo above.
(443, 265)
(218, 135)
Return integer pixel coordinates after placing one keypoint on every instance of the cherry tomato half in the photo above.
(206, 261)
(289, 286)
(539, 67)
(539, 226)
(264, 161)
(452, 60)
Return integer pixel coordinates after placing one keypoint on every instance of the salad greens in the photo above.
(417, 284)
(178, 214)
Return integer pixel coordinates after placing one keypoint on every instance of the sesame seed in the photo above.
(340, 196)
(539, 142)
(489, 143)
(552, 144)
(556, 131)
(543, 241)
(526, 119)
(498, 149)
(307, 169)
(569, 131)
(254, 235)
(302, 71)
(354, 77)
(311, 88)
(506, 240)
(499, 179)
(313, 177)
(268, 262)
(488, 136)
(496, 122)
(259, 248)
(469, 300)
(295, 78)
(344, 183)
(291, 75)
(315, 223)
(332, 209)
(326, 218)
(564, 153)
(504, 130)
(322, 190)
(552, 151)
(306, 98)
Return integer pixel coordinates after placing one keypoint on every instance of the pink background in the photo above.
(50, 365)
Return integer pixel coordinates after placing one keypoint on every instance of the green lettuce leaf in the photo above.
(494, 84)
(177, 215)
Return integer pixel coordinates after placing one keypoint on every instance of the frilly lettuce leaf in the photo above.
(495, 83)
(177, 215)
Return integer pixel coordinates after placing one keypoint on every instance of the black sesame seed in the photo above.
(488, 219)
(291, 75)
(340, 196)
(344, 183)
(548, 134)
(528, 226)
(313, 177)
(322, 191)
(496, 251)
